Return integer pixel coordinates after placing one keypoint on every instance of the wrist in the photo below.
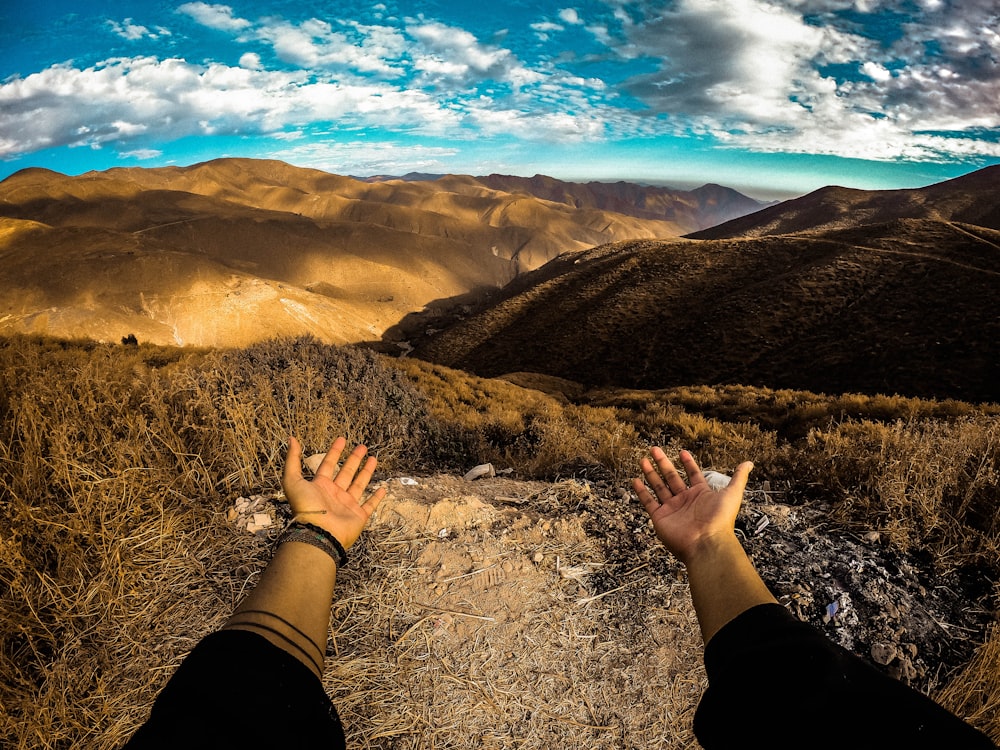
(315, 536)
(712, 547)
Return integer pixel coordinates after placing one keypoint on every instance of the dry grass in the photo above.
(475, 420)
(117, 464)
(930, 484)
(975, 693)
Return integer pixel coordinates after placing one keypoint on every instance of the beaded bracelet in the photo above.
(317, 537)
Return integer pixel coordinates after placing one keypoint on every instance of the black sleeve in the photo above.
(236, 689)
(780, 683)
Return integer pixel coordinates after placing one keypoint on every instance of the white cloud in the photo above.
(250, 60)
(875, 71)
(459, 50)
(450, 56)
(141, 153)
(364, 158)
(119, 100)
(543, 29)
(132, 31)
(570, 16)
(214, 16)
(315, 44)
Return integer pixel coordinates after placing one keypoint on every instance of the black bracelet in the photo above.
(319, 537)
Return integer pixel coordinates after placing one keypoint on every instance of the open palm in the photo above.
(686, 516)
(333, 498)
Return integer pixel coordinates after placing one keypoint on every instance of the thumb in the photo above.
(738, 482)
(293, 462)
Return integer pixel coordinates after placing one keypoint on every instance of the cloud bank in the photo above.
(852, 78)
(805, 76)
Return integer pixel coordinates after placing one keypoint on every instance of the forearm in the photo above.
(290, 605)
(723, 583)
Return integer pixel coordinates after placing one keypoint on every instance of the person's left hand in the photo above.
(338, 493)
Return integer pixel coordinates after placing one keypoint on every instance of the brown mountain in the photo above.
(903, 307)
(973, 199)
(234, 250)
(698, 209)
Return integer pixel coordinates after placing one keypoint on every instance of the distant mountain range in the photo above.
(907, 304)
(839, 290)
(233, 250)
(702, 207)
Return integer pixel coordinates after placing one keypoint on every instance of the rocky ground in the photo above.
(912, 621)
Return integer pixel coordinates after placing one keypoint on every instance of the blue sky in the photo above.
(770, 96)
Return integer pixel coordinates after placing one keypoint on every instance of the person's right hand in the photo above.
(686, 518)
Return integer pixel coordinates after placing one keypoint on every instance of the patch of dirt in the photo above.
(502, 613)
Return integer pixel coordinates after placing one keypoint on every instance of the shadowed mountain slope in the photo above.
(324, 254)
(907, 307)
(972, 199)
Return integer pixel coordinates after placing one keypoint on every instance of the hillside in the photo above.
(224, 252)
(530, 610)
(971, 199)
(904, 307)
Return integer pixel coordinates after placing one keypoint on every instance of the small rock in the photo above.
(312, 462)
(232, 514)
(903, 670)
(408, 481)
(483, 470)
(538, 557)
(872, 537)
(883, 653)
(262, 520)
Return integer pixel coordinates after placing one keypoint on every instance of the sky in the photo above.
(772, 97)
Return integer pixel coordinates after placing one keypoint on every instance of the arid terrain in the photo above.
(551, 331)
(969, 199)
(231, 251)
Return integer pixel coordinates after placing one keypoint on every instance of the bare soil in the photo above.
(502, 613)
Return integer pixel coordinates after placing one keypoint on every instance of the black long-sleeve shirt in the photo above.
(238, 690)
(774, 682)
(780, 683)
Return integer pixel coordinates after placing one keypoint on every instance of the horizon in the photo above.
(773, 99)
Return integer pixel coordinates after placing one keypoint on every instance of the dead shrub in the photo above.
(974, 694)
(927, 484)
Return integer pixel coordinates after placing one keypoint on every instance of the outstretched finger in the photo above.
(372, 503)
(740, 477)
(362, 478)
(670, 475)
(649, 502)
(654, 480)
(346, 474)
(693, 470)
(328, 465)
